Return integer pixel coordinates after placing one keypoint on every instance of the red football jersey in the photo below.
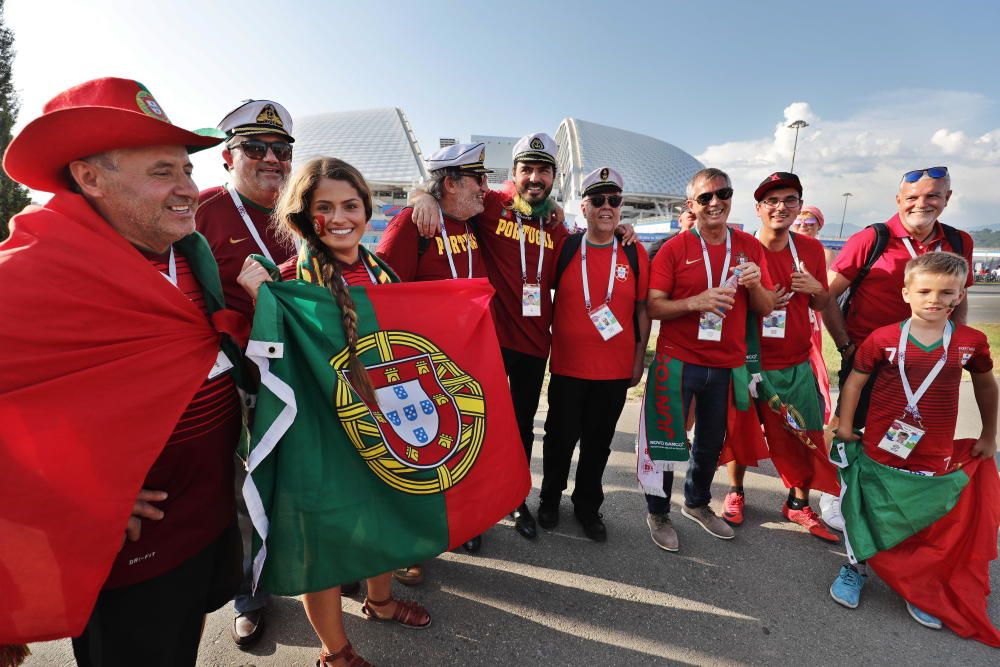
(399, 247)
(577, 348)
(938, 408)
(354, 274)
(778, 353)
(679, 270)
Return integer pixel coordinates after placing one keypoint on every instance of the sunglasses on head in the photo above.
(917, 174)
(256, 149)
(614, 201)
(723, 194)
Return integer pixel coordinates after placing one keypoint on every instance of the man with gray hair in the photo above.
(458, 184)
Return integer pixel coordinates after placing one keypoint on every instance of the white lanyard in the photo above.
(248, 222)
(913, 397)
(541, 250)
(171, 274)
(909, 247)
(468, 248)
(371, 276)
(611, 276)
(708, 263)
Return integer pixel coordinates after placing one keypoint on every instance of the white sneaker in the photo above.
(829, 508)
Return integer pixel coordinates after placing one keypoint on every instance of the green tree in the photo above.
(13, 196)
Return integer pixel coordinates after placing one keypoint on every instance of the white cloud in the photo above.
(867, 152)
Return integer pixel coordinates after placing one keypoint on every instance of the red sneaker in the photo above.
(806, 518)
(732, 508)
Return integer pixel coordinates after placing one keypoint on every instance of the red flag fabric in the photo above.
(945, 568)
(744, 438)
(99, 356)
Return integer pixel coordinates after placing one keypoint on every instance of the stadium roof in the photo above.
(379, 142)
(650, 167)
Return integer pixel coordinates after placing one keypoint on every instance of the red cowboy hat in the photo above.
(93, 117)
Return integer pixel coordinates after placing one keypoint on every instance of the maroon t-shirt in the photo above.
(231, 242)
(195, 468)
(497, 231)
(354, 274)
(399, 247)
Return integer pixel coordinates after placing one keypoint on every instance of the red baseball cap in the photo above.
(93, 117)
(779, 179)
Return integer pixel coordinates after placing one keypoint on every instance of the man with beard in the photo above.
(235, 218)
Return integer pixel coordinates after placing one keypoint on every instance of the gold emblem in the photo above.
(482, 155)
(423, 367)
(536, 144)
(391, 375)
(269, 116)
(445, 441)
(604, 174)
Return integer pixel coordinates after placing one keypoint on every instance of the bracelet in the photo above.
(843, 348)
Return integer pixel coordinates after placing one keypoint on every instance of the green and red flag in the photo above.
(341, 489)
(100, 357)
(931, 538)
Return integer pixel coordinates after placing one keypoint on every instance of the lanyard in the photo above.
(468, 249)
(913, 397)
(708, 263)
(371, 276)
(791, 248)
(541, 250)
(909, 247)
(171, 274)
(241, 209)
(611, 276)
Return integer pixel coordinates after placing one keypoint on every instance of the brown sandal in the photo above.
(409, 613)
(347, 654)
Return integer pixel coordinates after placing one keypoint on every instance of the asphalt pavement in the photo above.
(759, 599)
(984, 304)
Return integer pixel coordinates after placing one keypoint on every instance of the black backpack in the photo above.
(570, 248)
(952, 235)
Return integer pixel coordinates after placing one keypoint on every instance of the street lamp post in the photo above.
(797, 125)
(842, 217)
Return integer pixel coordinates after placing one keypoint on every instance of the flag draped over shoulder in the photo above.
(930, 538)
(99, 357)
(339, 489)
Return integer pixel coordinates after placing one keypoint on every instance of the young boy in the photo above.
(919, 364)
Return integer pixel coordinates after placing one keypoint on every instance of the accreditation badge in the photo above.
(773, 325)
(221, 366)
(605, 322)
(531, 300)
(709, 327)
(901, 438)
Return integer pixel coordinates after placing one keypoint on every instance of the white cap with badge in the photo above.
(538, 147)
(604, 178)
(258, 117)
(464, 157)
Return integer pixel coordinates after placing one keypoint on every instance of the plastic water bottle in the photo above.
(732, 281)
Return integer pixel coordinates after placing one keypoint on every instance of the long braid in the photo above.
(334, 280)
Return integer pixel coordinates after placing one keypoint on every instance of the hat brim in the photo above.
(250, 131)
(39, 154)
(767, 186)
(535, 156)
(601, 188)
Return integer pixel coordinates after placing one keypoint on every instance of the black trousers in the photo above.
(586, 411)
(861, 413)
(525, 373)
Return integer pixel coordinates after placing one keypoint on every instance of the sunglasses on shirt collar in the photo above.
(917, 174)
(256, 149)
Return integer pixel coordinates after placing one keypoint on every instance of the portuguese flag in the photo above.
(930, 538)
(340, 489)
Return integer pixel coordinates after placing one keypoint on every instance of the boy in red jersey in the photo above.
(918, 365)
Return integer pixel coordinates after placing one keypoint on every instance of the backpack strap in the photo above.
(954, 239)
(569, 248)
(881, 241)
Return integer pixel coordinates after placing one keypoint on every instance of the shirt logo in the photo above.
(692, 261)
(621, 272)
(235, 241)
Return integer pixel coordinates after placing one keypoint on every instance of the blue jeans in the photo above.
(711, 387)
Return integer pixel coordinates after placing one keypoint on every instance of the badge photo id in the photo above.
(531, 300)
(774, 324)
(605, 321)
(901, 438)
(709, 327)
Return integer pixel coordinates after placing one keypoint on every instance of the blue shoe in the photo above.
(846, 588)
(923, 618)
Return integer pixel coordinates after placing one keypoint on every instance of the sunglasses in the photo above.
(614, 201)
(255, 149)
(723, 194)
(478, 178)
(917, 174)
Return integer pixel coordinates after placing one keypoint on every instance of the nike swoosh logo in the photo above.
(235, 241)
(692, 261)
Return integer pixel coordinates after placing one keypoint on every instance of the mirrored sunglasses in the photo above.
(917, 174)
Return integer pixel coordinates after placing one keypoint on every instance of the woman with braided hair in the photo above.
(326, 206)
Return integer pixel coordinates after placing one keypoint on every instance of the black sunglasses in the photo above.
(723, 194)
(917, 174)
(478, 178)
(256, 149)
(614, 201)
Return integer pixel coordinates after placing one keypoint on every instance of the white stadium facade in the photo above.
(382, 145)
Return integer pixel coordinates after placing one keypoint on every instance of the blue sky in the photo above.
(885, 86)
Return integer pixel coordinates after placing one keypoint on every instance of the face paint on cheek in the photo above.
(320, 224)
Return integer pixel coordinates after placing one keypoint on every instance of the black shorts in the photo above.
(158, 622)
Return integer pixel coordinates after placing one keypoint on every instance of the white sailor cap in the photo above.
(604, 178)
(258, 117)
(538, 147)
(464, 157)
